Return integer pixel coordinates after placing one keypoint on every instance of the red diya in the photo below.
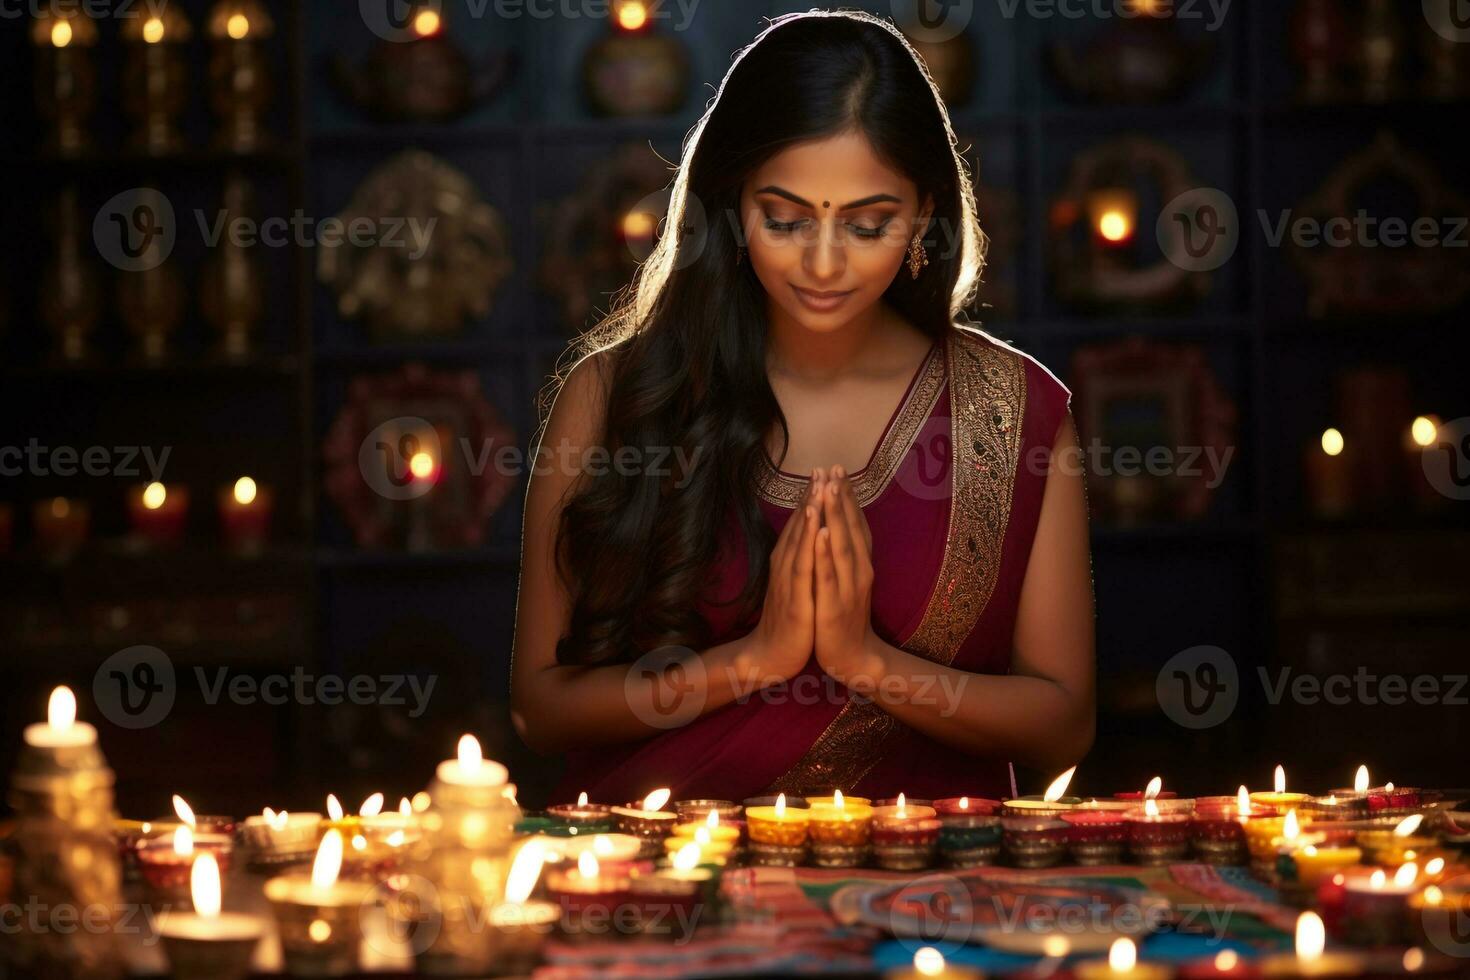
(164, 861)
(960, 806)
(1034, 842)
(1096, 836)
(905, 843)
(1156, 838)
(593, 902)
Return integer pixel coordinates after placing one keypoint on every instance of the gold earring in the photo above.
(918, 257)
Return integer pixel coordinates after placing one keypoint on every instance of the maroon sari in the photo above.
(973, 430)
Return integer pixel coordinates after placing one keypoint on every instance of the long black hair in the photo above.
(686, 340)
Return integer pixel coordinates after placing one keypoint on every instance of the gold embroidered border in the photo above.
(987, 401)
(785, 491)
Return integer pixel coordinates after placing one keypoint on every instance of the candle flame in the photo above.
(1155, 786)
(686, 857)
(426, 23)
(702, 836)
(601, 845)
(405, 808)
(184, 811)
(1056, 947)
(1122, 955)
(1434, 867)
(964, 803)
(713, 820)
(1360, 781)
(524, 870)
(1388, 786)
(1413, 959)
(1058, 787)
(929, 962)
(582, 798)
(60, 33)
(238, 27)
(1227, 960)
(328, 862)
(61, 709)
(1433, 895)
(396, 839)
(359, 842)
(1406, 875)
(183, 841)
(632, 15)
(154, 495)
(276, 821)
(204, 886)
(1280, 781)
(334, 807)
(1377, 880)
(780, 805)
(372, 806)
(901, 804)
(245, 491)
(469, 753)
(657, 799)
(1243, 801)
(1291, 828)
(152, 30)
(1333, 442)
(1408, 825)
(587, 865)
(1150, 808)
(421, 464)
(1311, 937)
(837, 800)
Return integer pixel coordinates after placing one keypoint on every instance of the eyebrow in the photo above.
(863, 202)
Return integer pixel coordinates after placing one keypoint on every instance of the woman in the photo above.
(793, 527)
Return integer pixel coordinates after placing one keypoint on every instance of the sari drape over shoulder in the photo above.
(952, 494)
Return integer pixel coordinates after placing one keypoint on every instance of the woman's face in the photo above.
(829, 217)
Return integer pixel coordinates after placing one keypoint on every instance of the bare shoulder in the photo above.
(580, 404)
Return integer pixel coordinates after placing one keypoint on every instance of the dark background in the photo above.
(1383, 589)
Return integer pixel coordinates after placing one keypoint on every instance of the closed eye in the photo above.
(785, 227)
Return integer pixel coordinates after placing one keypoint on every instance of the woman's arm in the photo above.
(1043, 713)
(555, 707)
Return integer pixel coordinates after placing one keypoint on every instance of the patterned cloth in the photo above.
(780, 921)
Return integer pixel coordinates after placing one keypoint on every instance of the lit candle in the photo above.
(930, 964)
(519, 926)
(209, 943)
(716, 841)
(1310, 958)
(1279, 797)
(318, 916)
(1113, 214)
(61, 730)
(588, 897)
(1122, 964)
(1051, 803)
(1219, 827)
(165, 861)
(1375, 909)
(245, 514)
(280, 836)
(1224, 965)
(158, 513)
(647, 820)
(1329, 477)
(840, 832)
(905, 836)
(778, 833)
(1156, 838)
(470, 768)
(1394, 847)
(582, 817)
(670, 901)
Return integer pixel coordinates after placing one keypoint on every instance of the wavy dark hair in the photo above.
(685, 341)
